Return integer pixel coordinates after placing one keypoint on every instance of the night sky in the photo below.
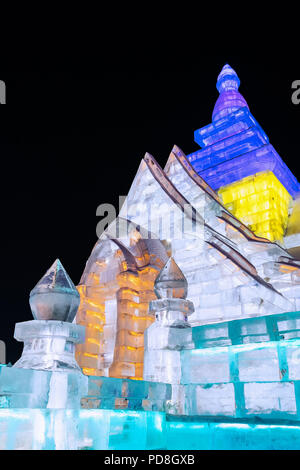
(70, 142)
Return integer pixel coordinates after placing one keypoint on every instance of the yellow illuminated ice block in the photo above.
(133, 318)
(261, 202)
(91, 314)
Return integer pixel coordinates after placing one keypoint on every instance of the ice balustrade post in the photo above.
(171, 331)
(49, 339)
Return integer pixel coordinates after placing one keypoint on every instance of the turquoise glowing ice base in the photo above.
(239, 389)
(42, 429)
(204, 434)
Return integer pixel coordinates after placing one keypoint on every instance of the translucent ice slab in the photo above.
(133, 430)
(255, 349)
(264, 400)
(202, 434)
(112, 393)
(250, 330)
(260, 362)
(27, 429)
(30, 388)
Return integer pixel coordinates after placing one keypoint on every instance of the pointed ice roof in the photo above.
(230, 99)
(56, 279)
(171, 281)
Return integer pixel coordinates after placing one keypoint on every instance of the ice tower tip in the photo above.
(227, 79)
(230, 99)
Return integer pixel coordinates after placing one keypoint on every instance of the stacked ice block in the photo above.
(245, 368)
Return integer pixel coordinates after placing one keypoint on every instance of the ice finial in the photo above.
(55, 297)
(230, 99)
(171, 283)
(227, 79)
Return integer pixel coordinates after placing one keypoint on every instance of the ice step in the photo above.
(249, 330)
(270, 361)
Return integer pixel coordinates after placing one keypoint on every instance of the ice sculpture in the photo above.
(218, 371)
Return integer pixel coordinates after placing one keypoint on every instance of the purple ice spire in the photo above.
(230, 99)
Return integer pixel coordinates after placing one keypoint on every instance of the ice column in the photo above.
(49, 339)
(170, 332)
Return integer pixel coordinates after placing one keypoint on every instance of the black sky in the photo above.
(69, 142)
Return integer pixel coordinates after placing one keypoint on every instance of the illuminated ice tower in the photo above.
(237, 160)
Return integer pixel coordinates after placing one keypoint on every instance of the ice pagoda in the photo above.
(187, 331)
